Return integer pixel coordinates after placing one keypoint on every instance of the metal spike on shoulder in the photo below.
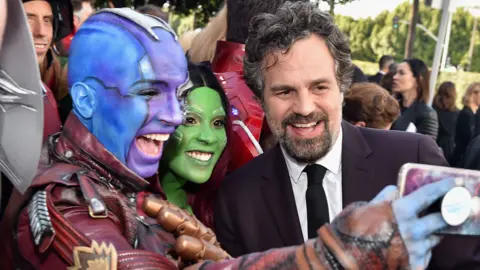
(40, 222)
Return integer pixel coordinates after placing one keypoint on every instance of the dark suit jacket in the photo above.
(377, 78)
(256, 211)
(464, 134)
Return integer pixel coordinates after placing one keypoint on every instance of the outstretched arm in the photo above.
(380, 235)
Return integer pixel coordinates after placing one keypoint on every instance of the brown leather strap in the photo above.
(330, 240)
(67, 237)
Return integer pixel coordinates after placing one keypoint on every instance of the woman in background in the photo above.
(444, 104)
(465, 127)
(369, 105)
(410, 83)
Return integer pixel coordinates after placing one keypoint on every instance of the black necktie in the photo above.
(317, 206)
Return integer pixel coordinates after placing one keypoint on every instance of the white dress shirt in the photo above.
(332, 182)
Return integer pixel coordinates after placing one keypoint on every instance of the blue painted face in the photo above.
(128, 93)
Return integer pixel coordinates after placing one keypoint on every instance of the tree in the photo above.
(412, 29)
(203, 9)
(332, 3)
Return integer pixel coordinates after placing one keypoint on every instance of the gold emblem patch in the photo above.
(96, 257)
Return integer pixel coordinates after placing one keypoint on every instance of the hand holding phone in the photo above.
(418, 232)
(460, 207)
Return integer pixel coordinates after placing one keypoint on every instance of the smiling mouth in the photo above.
(199, 155)
(40, 46)
(151, 144)
(306, 126)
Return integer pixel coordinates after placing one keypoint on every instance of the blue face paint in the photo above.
(124, 77)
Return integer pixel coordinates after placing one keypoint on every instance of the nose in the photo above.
(40, 30)
(171, 114)
(304, 103)
(206, 136)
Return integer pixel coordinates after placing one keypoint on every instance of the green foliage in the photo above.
(372, 38)
(333, 3)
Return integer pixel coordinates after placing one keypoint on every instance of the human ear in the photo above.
(360, 124)
(84, 99)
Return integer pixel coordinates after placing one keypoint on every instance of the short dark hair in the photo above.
(154, 11)
(385, 61)
(241, 12)
(77, 4)
(446, 97)
(278, 32)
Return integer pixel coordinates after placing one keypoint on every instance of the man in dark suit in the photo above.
(299, 69)
(384, 64)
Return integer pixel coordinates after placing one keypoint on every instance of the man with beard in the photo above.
(298, 63)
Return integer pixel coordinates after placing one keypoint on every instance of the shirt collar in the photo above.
(331, 161)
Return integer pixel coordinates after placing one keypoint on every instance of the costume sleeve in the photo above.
(362, 235)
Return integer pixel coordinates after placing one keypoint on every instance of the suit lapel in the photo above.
(279, 199)
(356, 167)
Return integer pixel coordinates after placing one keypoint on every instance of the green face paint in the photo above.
(195, 147)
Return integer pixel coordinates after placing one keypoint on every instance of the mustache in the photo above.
(295, 118)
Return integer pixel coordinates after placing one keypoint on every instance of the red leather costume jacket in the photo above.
(81, 193)
(248, 122)
(51, 119)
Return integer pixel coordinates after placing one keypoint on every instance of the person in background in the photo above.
(387, 79)
(444, 104)
(369, 105)
(154, 11)
(205, 43)
(384, 68)
(410, 83)
(465, 127)
(358, 75)
(44, 20)
(82, 10)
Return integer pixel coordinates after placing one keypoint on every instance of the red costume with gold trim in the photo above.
(248, 121)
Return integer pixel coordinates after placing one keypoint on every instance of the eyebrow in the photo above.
(319, 81)
(284, 87)
(163, 83)
(219, 112)
(35, 15)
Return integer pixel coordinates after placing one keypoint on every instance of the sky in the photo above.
(371, 8)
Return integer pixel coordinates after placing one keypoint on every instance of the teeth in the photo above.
(40, 46)
(202, 156)
(157, 137)
(305, 125)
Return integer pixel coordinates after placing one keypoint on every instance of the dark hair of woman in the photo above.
(422, 76)
(446, 97)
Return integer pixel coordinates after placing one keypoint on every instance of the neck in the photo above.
(474, 107)
(173, 187)
(408, 98)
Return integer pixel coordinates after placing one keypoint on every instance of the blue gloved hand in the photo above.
(417, 233)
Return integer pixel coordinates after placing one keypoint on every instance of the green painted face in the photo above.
(195, 147)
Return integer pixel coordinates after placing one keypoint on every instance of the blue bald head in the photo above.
(124, 72)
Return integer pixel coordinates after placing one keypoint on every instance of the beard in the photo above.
(303, 150)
